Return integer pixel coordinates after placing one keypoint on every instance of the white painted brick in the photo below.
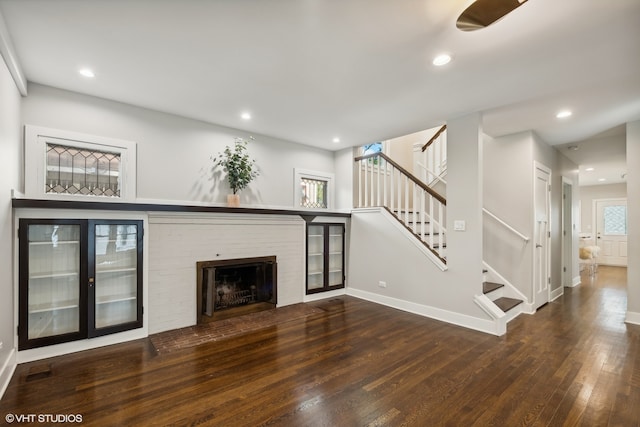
(177, 242)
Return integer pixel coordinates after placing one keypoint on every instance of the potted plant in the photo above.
(240, 168)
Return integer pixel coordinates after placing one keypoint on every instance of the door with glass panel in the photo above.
(611, 231)
(78, 279)
(115, 276)
(325, 257)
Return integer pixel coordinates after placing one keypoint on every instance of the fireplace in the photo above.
(237, 286)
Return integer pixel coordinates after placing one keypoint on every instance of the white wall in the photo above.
(633, 211)
(344, 178)
(382, 250)
(10, 173)
(174, 152)
(592, 192)
(508, 194)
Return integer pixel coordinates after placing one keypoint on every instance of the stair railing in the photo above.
(384, 183)
(434, 157)
(505, 225)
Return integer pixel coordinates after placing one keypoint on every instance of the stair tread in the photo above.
(505, 303)
(490, 287)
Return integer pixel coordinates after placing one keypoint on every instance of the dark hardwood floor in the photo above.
(575, 362)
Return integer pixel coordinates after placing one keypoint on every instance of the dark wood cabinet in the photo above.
(325, 257)
(78, 279)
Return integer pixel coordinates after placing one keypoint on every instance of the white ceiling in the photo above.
(311, 70)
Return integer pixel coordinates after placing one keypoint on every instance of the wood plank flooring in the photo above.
(575, 362)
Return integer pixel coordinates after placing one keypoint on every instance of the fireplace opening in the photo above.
(234, 287)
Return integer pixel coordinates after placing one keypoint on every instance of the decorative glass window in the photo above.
(63, 164)
(313, 193)
(73, 170)
(314, 190)
(615, 220)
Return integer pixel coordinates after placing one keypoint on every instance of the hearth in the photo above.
(233, 287)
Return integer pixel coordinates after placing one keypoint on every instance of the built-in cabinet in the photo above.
(78, 279)
(325, 257)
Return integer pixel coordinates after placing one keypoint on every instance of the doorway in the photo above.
(567, 233)
(611, 231)
(542, 234)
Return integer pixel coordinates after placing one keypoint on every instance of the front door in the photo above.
(542, 238)
(611, 231)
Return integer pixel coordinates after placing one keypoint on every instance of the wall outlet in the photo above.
(382, 284)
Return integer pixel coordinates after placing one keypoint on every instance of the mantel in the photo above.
(155, 207)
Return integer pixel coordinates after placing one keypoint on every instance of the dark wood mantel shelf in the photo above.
(155, 207)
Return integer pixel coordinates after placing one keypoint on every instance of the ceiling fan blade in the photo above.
(482, 13)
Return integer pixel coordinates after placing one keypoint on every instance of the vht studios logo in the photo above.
(43, 418)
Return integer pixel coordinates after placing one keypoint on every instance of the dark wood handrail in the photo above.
(408, 174)
(434, 137)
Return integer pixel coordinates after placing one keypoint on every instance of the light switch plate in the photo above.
(459, 225)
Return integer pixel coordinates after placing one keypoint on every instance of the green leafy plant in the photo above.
(237, 164)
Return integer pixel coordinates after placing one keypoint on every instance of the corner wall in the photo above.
(10, 172)
(633, 232)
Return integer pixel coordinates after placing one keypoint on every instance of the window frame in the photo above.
(36, 140)
(299, 174)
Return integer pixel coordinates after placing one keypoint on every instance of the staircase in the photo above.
(506, 304)
(413, 201)
(384, 183)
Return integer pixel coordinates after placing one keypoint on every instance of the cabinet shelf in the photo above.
(116, 270)
(53, 306)
(109, 299)
(49, 243)
(37, 276)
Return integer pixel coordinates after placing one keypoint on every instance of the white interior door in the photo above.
(542, 238)
(611, 231)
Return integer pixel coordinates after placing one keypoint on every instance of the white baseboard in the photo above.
(487, 326)
(8, 368)
(576, 281)
(556, 294)
(324, 295)
(632, 317)
(80, 345)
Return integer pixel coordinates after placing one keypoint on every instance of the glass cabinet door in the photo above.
(51, 301)
(114, 284)
(325, 257)
(336, 255)
(315, 257)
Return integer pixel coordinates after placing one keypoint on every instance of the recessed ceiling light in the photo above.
(246, 116)
(442, 59)
(589, 169)
(336, 140)
(564, 114)
(573, 148)
(86, 72)
(602, 179)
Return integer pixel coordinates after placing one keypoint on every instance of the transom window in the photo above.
(72, 170)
